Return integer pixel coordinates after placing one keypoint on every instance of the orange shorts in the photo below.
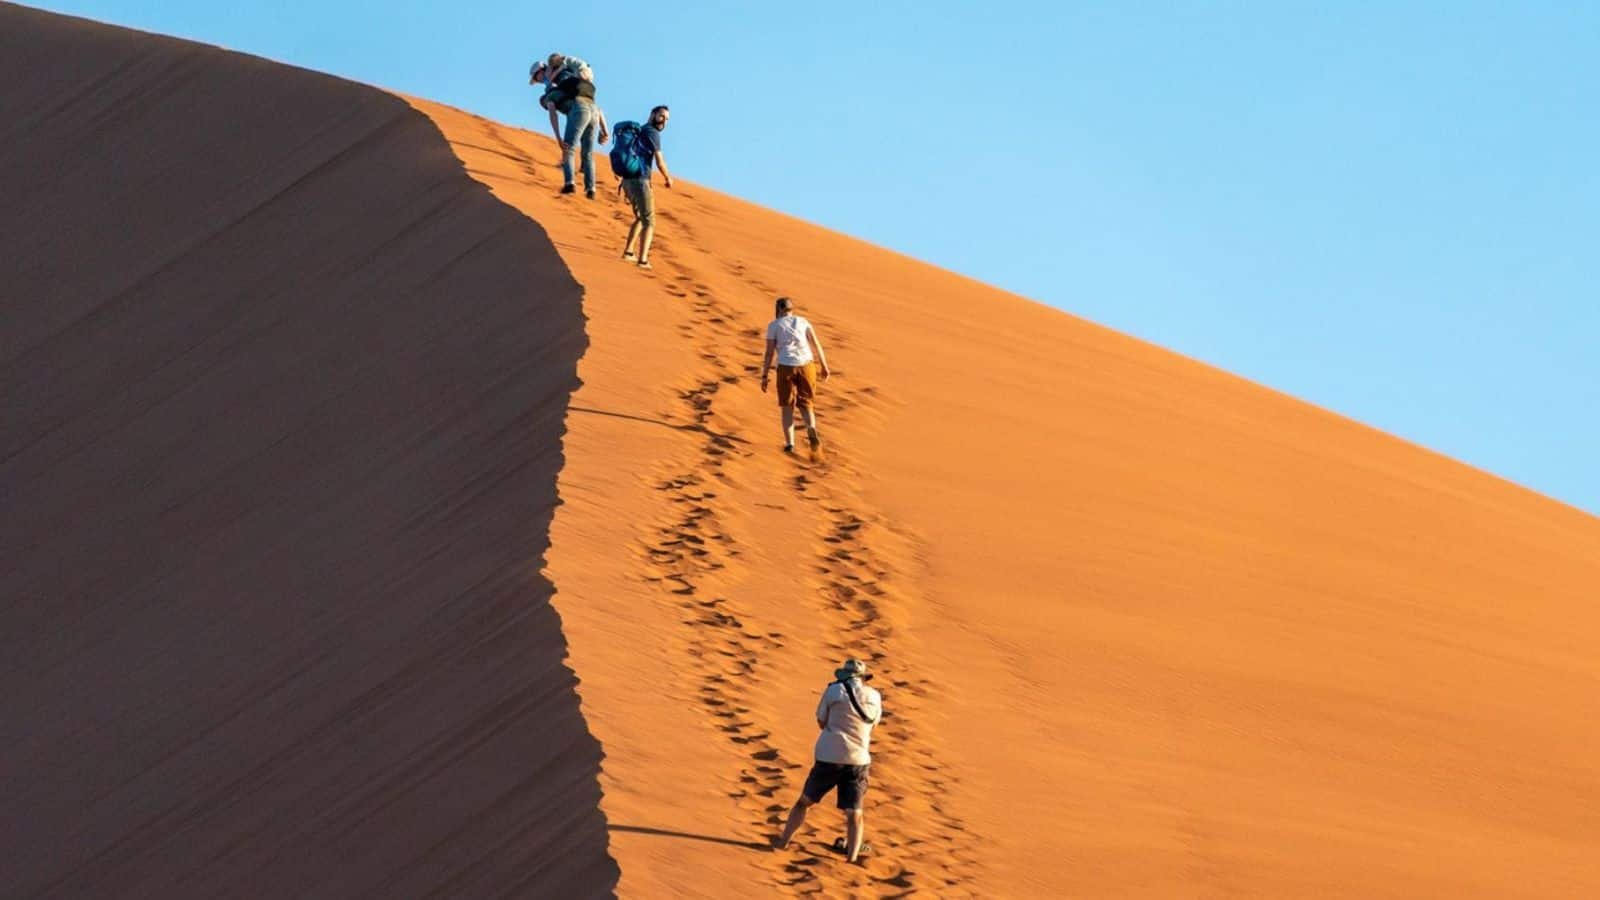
(797, 385)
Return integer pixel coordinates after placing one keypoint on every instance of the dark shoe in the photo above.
(815, 441)
(788, 448)
(589, 193)
(569, 189)
(645, 264)
(839, 848)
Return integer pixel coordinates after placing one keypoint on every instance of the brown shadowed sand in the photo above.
(282, 395)
(288, 405)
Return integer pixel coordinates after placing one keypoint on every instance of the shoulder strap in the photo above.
(855, 703)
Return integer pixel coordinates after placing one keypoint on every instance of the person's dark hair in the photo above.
(783, 305)
(659, 109)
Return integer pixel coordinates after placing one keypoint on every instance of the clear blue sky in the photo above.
(1389, 209)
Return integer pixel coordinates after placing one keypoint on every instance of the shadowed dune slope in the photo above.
(1144, 629)
(283, 394)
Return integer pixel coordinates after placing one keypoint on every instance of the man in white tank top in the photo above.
(848, 710)
(799, 352)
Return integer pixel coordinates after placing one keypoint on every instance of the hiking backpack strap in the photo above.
(856, 703)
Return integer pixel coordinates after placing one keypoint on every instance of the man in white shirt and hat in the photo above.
(846, 714)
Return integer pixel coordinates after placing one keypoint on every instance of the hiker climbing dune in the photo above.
(794, 342)
(846, 714)
(636, 152)
(570, 91)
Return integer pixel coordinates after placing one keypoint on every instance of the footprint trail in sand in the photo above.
(922, 843)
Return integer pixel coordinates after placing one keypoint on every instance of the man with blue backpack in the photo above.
(636, 151)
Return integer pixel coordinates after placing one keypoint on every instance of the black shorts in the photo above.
(850, 780)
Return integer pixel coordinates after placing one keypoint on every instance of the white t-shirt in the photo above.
(845, 736)
(790, 333)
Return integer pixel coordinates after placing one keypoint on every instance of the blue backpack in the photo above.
(630, 156)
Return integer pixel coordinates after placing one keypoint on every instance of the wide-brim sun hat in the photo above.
(852, 668)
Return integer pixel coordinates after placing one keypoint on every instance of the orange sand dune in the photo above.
(1147, 629)
(284, 392)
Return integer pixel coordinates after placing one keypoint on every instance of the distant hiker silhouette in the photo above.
(846, 714)
(569, 91)
(799, 352)
(637, 149)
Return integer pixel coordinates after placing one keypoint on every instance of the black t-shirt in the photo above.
(564, 90)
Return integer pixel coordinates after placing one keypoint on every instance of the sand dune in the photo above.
(292, 425)
(1146, 629)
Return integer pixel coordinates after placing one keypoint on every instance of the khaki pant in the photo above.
(643, 202)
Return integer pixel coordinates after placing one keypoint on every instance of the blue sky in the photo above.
(1389, 209)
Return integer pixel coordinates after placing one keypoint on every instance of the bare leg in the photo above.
(797, 817)
(633, 232)
(811, 425)
(644, 242)
(788, 426)
(855, 824)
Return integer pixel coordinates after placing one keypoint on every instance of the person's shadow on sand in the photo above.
(662, 832)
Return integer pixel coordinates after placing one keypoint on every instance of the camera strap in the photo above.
(856, 704)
